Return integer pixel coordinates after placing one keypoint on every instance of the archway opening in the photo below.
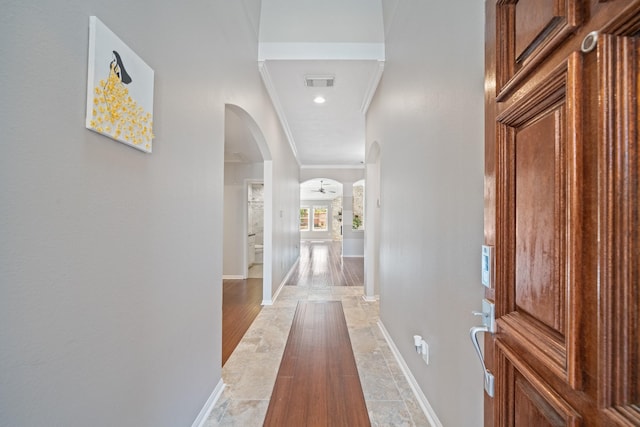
(247, 231)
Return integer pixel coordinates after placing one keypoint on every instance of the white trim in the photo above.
(422, 399)
(209, 404)
(275, 296)
(233, 277)
(267, 254)
(273, 94)
(372, 215)
(319, 51)
(371, 88)
(373, 298)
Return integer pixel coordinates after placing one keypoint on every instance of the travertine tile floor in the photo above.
(250, 372)
(255, 271)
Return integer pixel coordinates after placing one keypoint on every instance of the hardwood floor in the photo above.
(241, 303)
(322, 264)
(318, 383)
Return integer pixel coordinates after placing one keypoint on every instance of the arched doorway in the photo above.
(247, 218)
(247, 162)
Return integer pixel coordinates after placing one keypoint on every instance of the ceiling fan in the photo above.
(322, 189)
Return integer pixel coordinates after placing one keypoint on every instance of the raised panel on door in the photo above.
(531, 401)
(529, 30)
(538, 290)
(531, 409)
(538, 165)
(532, 20)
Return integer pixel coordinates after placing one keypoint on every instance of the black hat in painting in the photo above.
(120, 71)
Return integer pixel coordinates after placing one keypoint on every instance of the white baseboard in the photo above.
(373, 298)
(275, 296)
(422, 399)
(233, 277)
(209, 404)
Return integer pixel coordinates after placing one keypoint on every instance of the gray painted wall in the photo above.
(286, 204)
(427, 117)
(111, 259)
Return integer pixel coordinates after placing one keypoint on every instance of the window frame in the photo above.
(308, 216)
(326, 218)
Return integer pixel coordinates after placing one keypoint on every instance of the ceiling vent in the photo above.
(319, 81)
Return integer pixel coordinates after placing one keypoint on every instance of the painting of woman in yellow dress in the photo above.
(118, 97)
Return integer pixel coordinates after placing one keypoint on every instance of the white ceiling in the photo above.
(332, 133)
(309, 190)
(297, 38)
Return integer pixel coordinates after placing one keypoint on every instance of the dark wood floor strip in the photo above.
(318, 383)
(241, 303)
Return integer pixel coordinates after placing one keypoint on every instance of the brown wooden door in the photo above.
(561, 210)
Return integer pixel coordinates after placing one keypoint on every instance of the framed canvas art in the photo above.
(119, 90)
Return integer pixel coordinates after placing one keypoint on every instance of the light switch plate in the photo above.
(488, 264)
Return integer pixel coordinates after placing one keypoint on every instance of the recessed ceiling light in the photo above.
(319, 100)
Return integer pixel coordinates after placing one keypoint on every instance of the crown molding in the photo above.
(266, 78)
(371, 88)
(321, 51)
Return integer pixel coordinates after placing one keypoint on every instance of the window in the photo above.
(304, 219)
(318, 214)
(320, 218)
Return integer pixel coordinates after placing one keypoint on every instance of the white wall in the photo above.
(111, 259)
(427, 117)
(353, 21)
(353, 244)
(337, 174)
